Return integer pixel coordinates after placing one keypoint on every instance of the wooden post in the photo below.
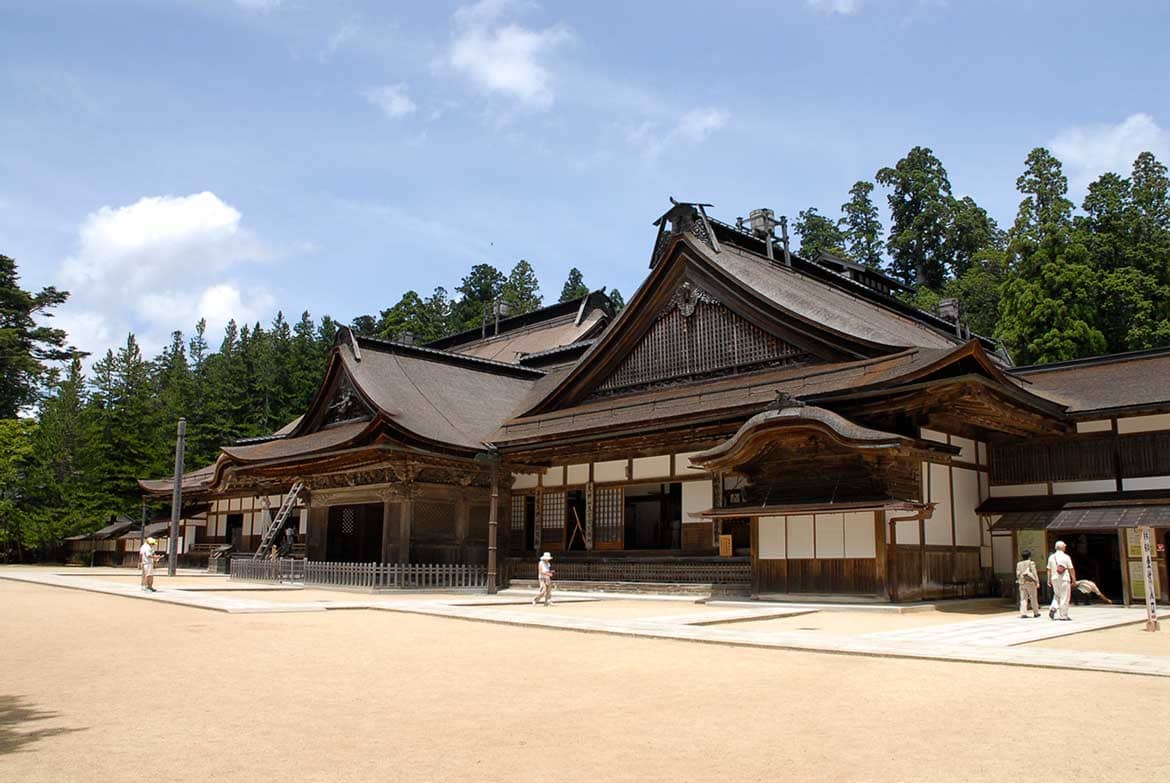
(1151, 583)
(405, 517)
(493, 522)
(1123, 551)
(176, 500)
(881, 555)
(387, 534)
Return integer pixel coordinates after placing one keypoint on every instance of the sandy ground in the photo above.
(96, 687)
(1125, 639)
(618, 609)
(846, 623)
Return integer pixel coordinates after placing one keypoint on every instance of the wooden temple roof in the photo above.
(1137, 379)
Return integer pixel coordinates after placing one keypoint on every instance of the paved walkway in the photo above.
(994, 640)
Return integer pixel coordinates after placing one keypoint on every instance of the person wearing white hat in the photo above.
(146, 558)
(544, 572)
(1062, 578)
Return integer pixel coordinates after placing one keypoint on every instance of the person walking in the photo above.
(146, 557)
(544, 573)
(1062, 578)
(1028, 580)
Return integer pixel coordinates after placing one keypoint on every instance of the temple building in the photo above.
(752, 419)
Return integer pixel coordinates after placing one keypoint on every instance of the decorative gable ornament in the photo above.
(346, 405)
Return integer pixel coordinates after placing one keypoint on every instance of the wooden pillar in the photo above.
(1123, 554)
(922, 553)
(590, 490)
(405, 517)
(881, 554)
(388, 530)
(537, 520)
(493, 523)
(316, 533)
(462, 522)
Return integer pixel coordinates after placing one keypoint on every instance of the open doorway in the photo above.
(1096, 556)
(234, 532)
(653, 516)
(575, 520)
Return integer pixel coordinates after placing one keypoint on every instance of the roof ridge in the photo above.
(1089, 361)
(472, 362)
(515, 322)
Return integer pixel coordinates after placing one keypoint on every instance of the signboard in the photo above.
(725, 546)
(1033, 540)
(1150, 583)
(1133, 544)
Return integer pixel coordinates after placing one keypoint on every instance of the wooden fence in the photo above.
(370, 576)
(692, 571)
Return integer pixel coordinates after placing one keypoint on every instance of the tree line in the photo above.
(72, 443)
(1058, 284)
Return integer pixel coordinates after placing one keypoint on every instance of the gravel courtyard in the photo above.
(96, 687)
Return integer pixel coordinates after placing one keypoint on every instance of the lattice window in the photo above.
(553, 510)
(696, 337)
(518, 513)
(433, 520)
(607, 515)
(348, 521)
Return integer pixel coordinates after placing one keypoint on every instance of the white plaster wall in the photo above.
(938, 526)
(967, 528)
(859, 534)
(554, 476)
(1097, 425)
(1146, 482)
(1076, 487)
(696, 497)
(967, 449)
(682, 463)
(830, 535)
(934, 435)
(652, 467)
(800, 537)
(1159, 421)
(907, 532)
(525, 480)
(614, 470)
(981, 452)
(578, 474)
(1018, 490)
(1001, 554)
(771, 543)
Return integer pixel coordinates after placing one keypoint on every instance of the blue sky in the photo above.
(165, 160)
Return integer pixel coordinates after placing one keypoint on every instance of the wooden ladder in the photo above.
(278, 521)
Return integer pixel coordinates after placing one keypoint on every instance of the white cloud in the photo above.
(1087, 151)
(348, 32)
(842, 7)
(693, 127)
(158, 265)
(505, 58)
(392, 100)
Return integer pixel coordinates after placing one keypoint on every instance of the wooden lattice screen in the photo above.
(433, 519)
(518, 513)
(553, 511)
(699, 339)
(607, 515)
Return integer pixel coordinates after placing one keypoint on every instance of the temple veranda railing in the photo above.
(368, 576)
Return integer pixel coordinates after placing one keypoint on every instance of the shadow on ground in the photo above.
(17, 716)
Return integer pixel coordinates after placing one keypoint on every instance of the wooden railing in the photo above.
(731, 572)
(370, 576)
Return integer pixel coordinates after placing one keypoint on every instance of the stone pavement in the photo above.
(994, 640)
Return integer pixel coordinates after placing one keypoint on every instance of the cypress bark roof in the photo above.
(1101, 383)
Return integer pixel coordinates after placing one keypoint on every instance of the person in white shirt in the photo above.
(1062, 578)
(146, 563)
(544, 572)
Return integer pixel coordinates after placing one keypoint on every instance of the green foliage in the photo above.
(522, 289)
(818, 233)
(862, 227)
(16, 450)
(482, 286)
(574, 286)
(921, 207)
(25, 346)
(617, 300)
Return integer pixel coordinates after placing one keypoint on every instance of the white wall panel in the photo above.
(934, 435)
(614, 470)
(859, 534)
(1097, 425)
(830, 535)
(967, 527)
(771, 544)
(1017, 490)
(938, 527)
(578, 474)
(907, 532)
(981, 452)
(1160, 421)
(800, 537)
(1147, 482)
(696, 497)
(966, 449)
(1077, 487)
(1001, 555)
(554, 476)
(652, 467)
(524, 480)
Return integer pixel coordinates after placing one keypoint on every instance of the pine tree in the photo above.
(920, 206)
(574, 287)
(818, 233)
(863, 228)
(521, 289)
(617, 300)
(25, 346)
